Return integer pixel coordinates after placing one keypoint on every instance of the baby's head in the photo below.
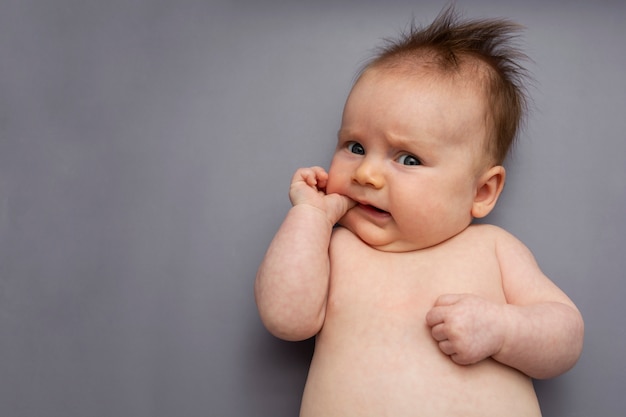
(477, 51)
(425, 130)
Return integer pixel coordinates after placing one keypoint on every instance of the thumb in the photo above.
(338, 205)
(447, 299)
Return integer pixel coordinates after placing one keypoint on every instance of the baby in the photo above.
(417, 311)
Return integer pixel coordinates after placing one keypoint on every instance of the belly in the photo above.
(392, 367)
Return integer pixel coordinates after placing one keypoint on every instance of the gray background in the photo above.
(146, 149)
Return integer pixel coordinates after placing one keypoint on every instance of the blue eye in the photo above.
(409, 160)
(357, 148)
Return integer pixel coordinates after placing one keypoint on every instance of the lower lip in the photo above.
(373, 212)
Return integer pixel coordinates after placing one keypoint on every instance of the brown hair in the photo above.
(451, 44)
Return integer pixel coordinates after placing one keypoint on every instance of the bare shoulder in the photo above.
(510, 251)
(504, 241)
(487, 231)
(485, 235)
(523, 280)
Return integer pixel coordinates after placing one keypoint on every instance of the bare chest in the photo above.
(369, 282)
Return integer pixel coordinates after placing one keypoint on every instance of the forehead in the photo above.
(419, 98)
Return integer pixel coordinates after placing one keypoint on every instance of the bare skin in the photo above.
(380, 347)
(376, 354)
(416, 311)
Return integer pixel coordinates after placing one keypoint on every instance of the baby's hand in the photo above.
(468, 328)
(308, 186)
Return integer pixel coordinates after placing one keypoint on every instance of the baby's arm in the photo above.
(292, 282)
(539, 331)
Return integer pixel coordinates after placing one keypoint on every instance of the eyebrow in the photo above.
(396, 140)
(341, 133)
(422, 145)
(417, 145)
(401, 142)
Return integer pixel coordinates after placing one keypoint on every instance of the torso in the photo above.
(375, 356)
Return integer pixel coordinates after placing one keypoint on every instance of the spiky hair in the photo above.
(451, 44)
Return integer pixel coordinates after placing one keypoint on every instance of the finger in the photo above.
(435, 316)
(345, 201)
(446, 347)
(321, 177)
(337, 205)
(439, 332)
(310, 175)
(318, 176)
(448, 299)
(300, 176)
(350, 203)
(461, 360)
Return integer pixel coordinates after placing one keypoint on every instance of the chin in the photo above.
(378, 242)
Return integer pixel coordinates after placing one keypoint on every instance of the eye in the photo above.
(408, 160)
(356, 148)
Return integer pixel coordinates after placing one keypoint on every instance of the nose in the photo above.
(369, 174)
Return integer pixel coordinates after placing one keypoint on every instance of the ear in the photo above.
(488, 189)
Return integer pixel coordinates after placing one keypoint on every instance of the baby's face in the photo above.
(409, 152)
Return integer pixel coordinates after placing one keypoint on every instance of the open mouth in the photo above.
(378, 210)
(374, 209)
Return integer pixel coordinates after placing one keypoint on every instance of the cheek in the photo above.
(334, 184)
(427, 198)
(336, 178)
